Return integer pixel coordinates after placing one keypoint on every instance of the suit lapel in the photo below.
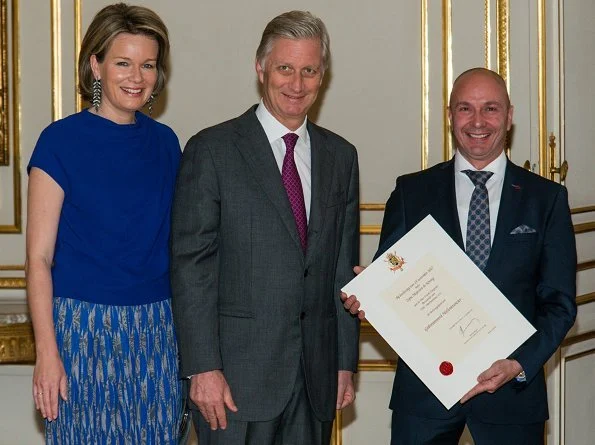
(254, 146)
(323, 159)
(508, 212)
(444, 206)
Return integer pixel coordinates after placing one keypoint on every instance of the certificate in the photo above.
(438, 311)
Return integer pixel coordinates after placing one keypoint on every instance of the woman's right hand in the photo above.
(49, 383)
(44, 206)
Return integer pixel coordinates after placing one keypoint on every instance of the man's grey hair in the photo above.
(295, 25)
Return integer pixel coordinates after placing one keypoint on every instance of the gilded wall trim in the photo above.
(12, 267)
(12, 282)
(569, 358)
(585, 265)
(584, 227)
(585, 298)
(562, 404)
(377, 206)
(4, 141)
(446, 74)
(578, 338)
(367, 329)
(377, 365)
(78, 100)
(16, 116)
(486, 34)
(502, 41)
(56, 42)
(337, 436)
(373, 206)
(586, 209)
(370, 229)
(502, 45)
(374, 229)
(541, 88)
(17, 343)
(425, 86)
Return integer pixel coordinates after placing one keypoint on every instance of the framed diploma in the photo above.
(438, 311)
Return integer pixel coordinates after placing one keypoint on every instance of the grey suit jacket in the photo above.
(245, 297)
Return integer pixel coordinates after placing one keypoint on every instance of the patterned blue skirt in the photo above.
(122, 369)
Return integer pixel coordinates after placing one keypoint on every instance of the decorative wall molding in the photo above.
(585, 298)
(569, 353)
(446, 75)
(4, 141)
(337, 437)
(5, 113)
(56, 41)
(17, 344)
(541, 88)
(12, 282)
(78, 32)
(502, 40)
(425, 87)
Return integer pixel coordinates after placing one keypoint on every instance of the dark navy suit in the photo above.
(536, 271)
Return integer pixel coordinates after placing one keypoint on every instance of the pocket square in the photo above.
(523, 228)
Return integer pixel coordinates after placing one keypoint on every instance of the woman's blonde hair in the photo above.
(106, 26)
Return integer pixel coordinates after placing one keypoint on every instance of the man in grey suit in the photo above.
(264, 234)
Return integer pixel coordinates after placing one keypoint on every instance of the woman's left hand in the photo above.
(49, 383)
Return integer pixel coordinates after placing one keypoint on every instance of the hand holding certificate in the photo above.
(438, 311)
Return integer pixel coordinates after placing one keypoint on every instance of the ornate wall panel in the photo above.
(4, 158)
(393, 66)
(10, 160)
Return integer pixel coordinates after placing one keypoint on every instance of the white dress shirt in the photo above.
(464, 188)
(275, 130)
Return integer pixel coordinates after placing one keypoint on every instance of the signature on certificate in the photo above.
(469, 328)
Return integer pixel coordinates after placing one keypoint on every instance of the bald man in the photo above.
(528, 252)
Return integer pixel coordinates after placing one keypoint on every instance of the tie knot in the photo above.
(478, 177)
(290, 140)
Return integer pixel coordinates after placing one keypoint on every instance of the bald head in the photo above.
(480, 116)
(479, 72)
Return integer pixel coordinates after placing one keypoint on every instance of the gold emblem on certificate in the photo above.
(394, 261)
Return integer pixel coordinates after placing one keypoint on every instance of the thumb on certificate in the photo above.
(359, 269)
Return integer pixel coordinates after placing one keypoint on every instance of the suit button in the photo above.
(305, 273)
(302, 315)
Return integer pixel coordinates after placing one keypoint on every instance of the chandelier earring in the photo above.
(96, 94)
(150, 103)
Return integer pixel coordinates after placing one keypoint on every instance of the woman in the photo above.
(100, 189)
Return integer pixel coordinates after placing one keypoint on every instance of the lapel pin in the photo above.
(516, 187)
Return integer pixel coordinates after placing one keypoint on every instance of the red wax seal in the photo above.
(446, 368)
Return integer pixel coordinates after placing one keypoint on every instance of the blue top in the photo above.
(118, 182)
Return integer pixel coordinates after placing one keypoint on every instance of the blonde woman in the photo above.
(100, 190)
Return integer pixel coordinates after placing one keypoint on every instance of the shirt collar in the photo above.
(497, 166)
(275, 129)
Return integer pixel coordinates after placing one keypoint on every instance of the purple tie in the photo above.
(293, 187)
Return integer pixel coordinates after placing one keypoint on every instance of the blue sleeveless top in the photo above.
(118, 182)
